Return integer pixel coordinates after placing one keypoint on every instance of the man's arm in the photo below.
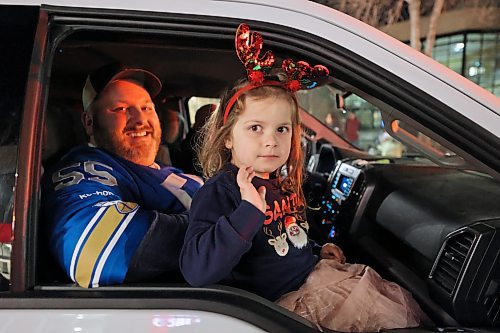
(159, 250)
(97, 219)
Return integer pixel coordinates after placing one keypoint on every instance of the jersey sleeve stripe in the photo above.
(174, 184)
(83, 236)
(95, 243)
(109, 248)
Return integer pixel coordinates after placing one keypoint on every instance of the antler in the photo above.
(268, 232)
(302, 76)
(280, 227)
(248, 46)
(299, 75)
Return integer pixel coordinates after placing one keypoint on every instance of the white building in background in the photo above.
(468, 41)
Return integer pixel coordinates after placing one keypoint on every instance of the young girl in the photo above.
(247, 225)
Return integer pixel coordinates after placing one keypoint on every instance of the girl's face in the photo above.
(262, 135)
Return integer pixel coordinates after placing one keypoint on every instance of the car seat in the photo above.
(189, 159)
(174, 129)
(62, 131)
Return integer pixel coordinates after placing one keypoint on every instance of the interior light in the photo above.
(395, 126)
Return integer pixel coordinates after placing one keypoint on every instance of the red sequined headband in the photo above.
(299, 75)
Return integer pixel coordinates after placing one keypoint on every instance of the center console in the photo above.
(338, 204)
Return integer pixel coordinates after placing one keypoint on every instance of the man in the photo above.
(114, 215)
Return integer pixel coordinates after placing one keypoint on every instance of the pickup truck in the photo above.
(415, 195)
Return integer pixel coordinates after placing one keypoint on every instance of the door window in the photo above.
(18, 24)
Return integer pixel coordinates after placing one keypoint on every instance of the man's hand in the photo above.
(248, 191)
(332, 251)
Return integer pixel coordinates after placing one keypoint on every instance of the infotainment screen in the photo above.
(343, 179)
(344, 184)
(337, 203)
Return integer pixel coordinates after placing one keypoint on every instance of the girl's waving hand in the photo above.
(248, 191)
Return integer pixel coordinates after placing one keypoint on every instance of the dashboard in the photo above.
(434, 230)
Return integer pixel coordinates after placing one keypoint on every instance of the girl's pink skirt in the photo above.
(353, 298)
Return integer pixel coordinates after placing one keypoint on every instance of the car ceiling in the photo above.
(188, 64)
(185, 70)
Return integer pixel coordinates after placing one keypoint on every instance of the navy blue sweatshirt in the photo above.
(230, 241)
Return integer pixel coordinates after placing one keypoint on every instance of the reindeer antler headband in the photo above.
(300, 75)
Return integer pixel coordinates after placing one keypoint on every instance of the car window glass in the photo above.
(17, 24)
(368, 128)
(358, 121)
(424, 144)
(195, 103)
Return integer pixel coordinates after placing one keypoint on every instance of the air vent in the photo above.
(492, 304)
(452, 258)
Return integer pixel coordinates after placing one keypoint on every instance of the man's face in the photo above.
(124, 122)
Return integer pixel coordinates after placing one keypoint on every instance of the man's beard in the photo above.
(112, 142)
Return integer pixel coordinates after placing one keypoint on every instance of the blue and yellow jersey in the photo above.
(100, 207)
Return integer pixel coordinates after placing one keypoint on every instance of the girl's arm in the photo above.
(221, 228)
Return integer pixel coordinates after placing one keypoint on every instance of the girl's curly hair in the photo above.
(212, 151)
